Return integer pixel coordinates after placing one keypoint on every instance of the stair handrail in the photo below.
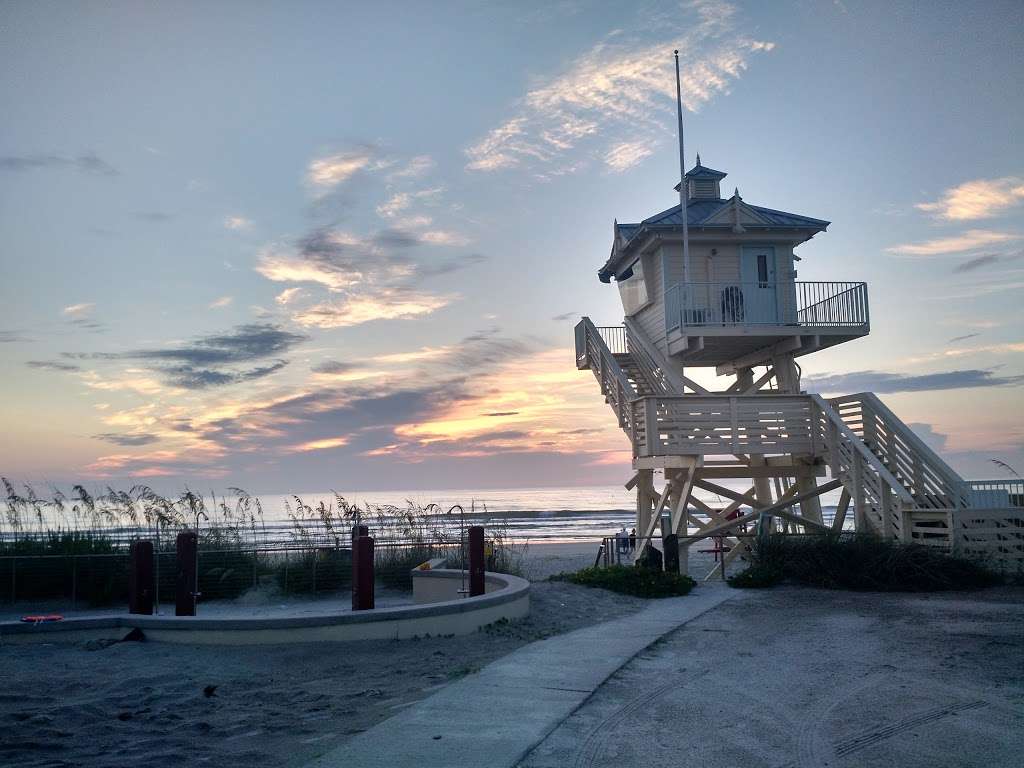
(639, 342)
(857, 444)
(957, 485)
(615, 385)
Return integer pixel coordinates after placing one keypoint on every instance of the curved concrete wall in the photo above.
(507, 597)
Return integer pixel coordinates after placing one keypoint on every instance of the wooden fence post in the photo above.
(362, 587)
(358, 531)
(476, 560)
(186, 588)
(140, 578)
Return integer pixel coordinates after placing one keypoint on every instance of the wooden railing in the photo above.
(877, 495)
(593, 352)
(932, 483)
(724, 424)
(656, 372)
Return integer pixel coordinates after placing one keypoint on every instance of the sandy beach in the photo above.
(125, 704)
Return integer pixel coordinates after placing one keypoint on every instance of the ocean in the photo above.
(530, 514)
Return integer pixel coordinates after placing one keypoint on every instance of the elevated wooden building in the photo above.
(720, 291)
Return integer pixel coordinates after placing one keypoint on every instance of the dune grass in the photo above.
(859, 562)
(76, 545)
(627, 580)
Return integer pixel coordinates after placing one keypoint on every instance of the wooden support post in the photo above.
(762, 485)
(806, 483)
(362, 587)
(186, 588)
(476, 560)
(670, 546)
(841, 509)
(140, 578)
(644, 502)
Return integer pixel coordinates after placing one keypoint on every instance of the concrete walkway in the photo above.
(497, 716)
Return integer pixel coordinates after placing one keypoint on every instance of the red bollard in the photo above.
(357, 531)
(140, 578)
(476, 560)
(362, 586)
(186, 588)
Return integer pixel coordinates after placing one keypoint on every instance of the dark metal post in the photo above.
(186, 588)
(140, 578)
(670, 545)
(476, 560)
(358, 531)
(362, 586)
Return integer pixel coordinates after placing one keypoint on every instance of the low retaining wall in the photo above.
(507, 597)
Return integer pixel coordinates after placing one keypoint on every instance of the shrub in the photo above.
(639, 582)
(860, 562)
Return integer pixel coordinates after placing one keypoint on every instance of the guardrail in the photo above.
(737, 303)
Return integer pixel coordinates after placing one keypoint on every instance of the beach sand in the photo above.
(132, 703)
(139, 703)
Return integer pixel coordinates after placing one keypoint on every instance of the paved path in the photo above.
(802, 678)
(497, 716)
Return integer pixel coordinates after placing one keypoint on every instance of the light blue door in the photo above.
(757, 274)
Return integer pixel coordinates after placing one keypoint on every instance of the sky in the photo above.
(293, 246)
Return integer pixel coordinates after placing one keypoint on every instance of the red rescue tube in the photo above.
(40, 619)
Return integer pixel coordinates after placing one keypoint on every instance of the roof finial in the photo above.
(736, 192)
(698, 159)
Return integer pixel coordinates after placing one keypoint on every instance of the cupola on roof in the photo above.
(703, 183)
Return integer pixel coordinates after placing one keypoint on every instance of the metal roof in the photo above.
(699, 211)
(703, 172)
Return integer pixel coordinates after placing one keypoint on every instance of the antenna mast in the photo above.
(682, 178)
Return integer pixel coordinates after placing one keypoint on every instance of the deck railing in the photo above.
(734, 303)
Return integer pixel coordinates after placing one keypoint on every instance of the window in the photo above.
(633, 288)
(762, 270)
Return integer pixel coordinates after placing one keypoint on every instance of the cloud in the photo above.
(415, 168)
(401, 201)
(209, 361)
(877, 381)
(222, 302)
(376, 275)
(287, 295)
(82, 316)
(49, 365)
(618, 97)
(332, 366)
(978, 199)
(382, 305)
(237, 222)
(566, 316)
(976, 263)
(934, 440)
(967, 241)
(77, 310)
(441, 237)
(624, 156)
(12, 337)
(965, 337)
(88, 162)
(126, 440)
(321, 444)
(326, 173)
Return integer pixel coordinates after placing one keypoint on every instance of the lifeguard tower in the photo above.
(712, 283)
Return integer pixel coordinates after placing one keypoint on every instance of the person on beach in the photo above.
(622, 540)
(632, 540)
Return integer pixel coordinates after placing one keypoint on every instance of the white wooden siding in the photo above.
(651, 318)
